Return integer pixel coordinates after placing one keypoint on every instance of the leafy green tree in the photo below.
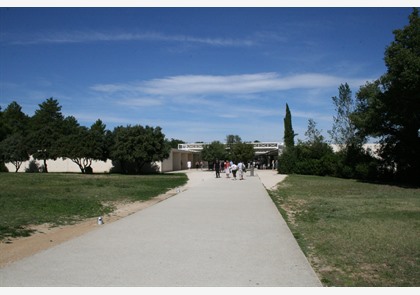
(242, 152)
(389, 108)
(351, 156)
(69, 125)
(343, 132)
(312, 133)
(73, 143)
(316, 142)
(312, 157)
(3, 134)
(3, 131)
(135, 146)
(46, 129)
(14, 120)
(99, 141)
(173, 143)
(289, 134)
(232, 139)
(214, 151)
(14, 149)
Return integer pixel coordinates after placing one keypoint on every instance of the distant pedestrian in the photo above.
(227, 168)
(234, 170)
(217, 168)
(242, 170)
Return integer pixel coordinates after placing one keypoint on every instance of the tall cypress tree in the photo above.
(289, 134)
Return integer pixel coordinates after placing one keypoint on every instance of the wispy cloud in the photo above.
(234, 84)
(140, 102)
(228, 101)
(312, 115)
(94, 36)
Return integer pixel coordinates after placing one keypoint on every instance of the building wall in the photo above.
(172, 163)
(373, 147)
(64, 165)
(179, 159)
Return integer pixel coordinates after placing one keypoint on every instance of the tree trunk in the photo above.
(17, 165)
(82, 169)
(45, 166)
(87, 163)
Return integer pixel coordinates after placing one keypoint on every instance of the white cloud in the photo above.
(92, 36)
(233, 84)
(140, 102)
(251, 104)
(200, 84)
(312, 115)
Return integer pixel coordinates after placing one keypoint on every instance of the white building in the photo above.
(177, 161)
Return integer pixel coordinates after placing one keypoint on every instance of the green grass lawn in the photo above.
(354, 233)
(37, 198)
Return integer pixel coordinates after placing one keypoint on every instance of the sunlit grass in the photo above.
(354, 233)
(55, 198)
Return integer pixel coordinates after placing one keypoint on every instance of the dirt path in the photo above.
(46, 236)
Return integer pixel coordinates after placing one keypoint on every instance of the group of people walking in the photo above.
(230, 167)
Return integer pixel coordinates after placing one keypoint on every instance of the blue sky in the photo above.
(199, 73)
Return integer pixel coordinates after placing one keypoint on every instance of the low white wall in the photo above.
(172, 163)
(64, 165)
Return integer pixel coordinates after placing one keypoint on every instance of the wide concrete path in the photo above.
(218, 232)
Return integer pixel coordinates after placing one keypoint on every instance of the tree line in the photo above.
(233, 150)
(387, 109)
(48, 135)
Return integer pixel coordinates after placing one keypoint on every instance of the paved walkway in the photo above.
(217, 233)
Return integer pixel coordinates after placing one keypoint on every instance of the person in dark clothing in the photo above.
(217, 168)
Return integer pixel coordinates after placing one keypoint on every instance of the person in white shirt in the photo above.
(241, 167)
(234, 168)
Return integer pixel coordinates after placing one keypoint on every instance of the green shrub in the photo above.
(33, 167)
(287, 162)
(3, 168)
